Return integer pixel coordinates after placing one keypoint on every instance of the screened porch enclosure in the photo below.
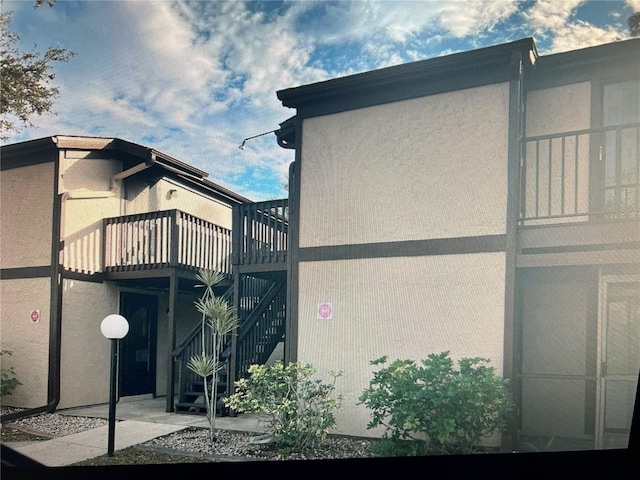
(580, 357)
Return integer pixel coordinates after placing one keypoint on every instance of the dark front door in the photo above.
(138, 348)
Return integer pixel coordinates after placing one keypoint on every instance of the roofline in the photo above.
(457, 62)
(151, 155)
(596, 53)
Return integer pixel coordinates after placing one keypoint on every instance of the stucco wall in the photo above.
(431, 167)
(558, 109)
(167, 194)
(84, 370)
(87, 179)
(28, 341)
(26, 196)
(403, 308)
(192, 202)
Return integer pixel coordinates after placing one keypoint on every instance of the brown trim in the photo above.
(407, 248)
(597, 257)
(171, 338)
(584, 64)
(258, 268)
(582, 234)
(97, 277)
(55, 322)
(293, 256)
(25, 272)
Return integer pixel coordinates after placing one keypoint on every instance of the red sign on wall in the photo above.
(325, 311)
(35, 316)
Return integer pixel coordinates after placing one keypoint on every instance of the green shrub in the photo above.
(431, 408)
(8, 380)
(298, 409)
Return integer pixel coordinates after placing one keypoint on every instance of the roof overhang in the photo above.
(425, 77)
(138, 159)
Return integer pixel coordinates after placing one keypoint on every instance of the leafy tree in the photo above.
(634, 24)
(26, 88)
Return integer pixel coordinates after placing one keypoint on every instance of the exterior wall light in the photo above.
(244, 142)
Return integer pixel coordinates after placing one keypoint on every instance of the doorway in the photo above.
(138, 348)
(619, 358)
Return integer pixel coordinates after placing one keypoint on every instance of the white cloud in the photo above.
(551, 14)
(398, 21)
(462, 19)
(581, 35)
(635, 4)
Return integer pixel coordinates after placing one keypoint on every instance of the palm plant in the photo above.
(221, 319)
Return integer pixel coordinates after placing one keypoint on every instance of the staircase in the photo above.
(262, 325)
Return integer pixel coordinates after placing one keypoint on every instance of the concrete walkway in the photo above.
(139, 420)
(92, 443)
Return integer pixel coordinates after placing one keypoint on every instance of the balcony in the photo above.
(172, 238)
(260, 235)
(579, 176)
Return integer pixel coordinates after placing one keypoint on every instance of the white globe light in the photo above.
(114, 326)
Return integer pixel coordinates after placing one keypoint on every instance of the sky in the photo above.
(192, 79)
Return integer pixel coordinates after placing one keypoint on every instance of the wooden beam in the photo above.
(597, 257)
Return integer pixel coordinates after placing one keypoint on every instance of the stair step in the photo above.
(198, 409)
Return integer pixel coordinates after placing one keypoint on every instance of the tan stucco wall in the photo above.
(91, 197)
(28, 341)
(399, 307)
(143, 198)
(84, 369)
(431, 167)
(558, 109)
(192, 202)
(26, 196)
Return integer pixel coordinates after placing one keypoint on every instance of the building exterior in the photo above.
(95, 226)
(485, 203)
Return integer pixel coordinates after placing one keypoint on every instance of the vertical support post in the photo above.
(171, 338)
(233, 359)
(112, 397)
(175, 239)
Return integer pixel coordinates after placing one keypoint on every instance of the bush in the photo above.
(299, 409)
(431, 408)
(8, 380)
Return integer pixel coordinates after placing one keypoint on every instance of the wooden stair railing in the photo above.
(262, 317)
(262, 330)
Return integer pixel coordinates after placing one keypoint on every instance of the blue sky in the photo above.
(194, 78)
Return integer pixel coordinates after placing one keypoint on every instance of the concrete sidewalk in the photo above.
(92, 443)
(139, 420)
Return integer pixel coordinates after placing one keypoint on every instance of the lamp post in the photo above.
(114, 327)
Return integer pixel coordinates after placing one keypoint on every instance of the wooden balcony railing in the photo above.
(168, 238)
(261, 232)
(581, 175)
